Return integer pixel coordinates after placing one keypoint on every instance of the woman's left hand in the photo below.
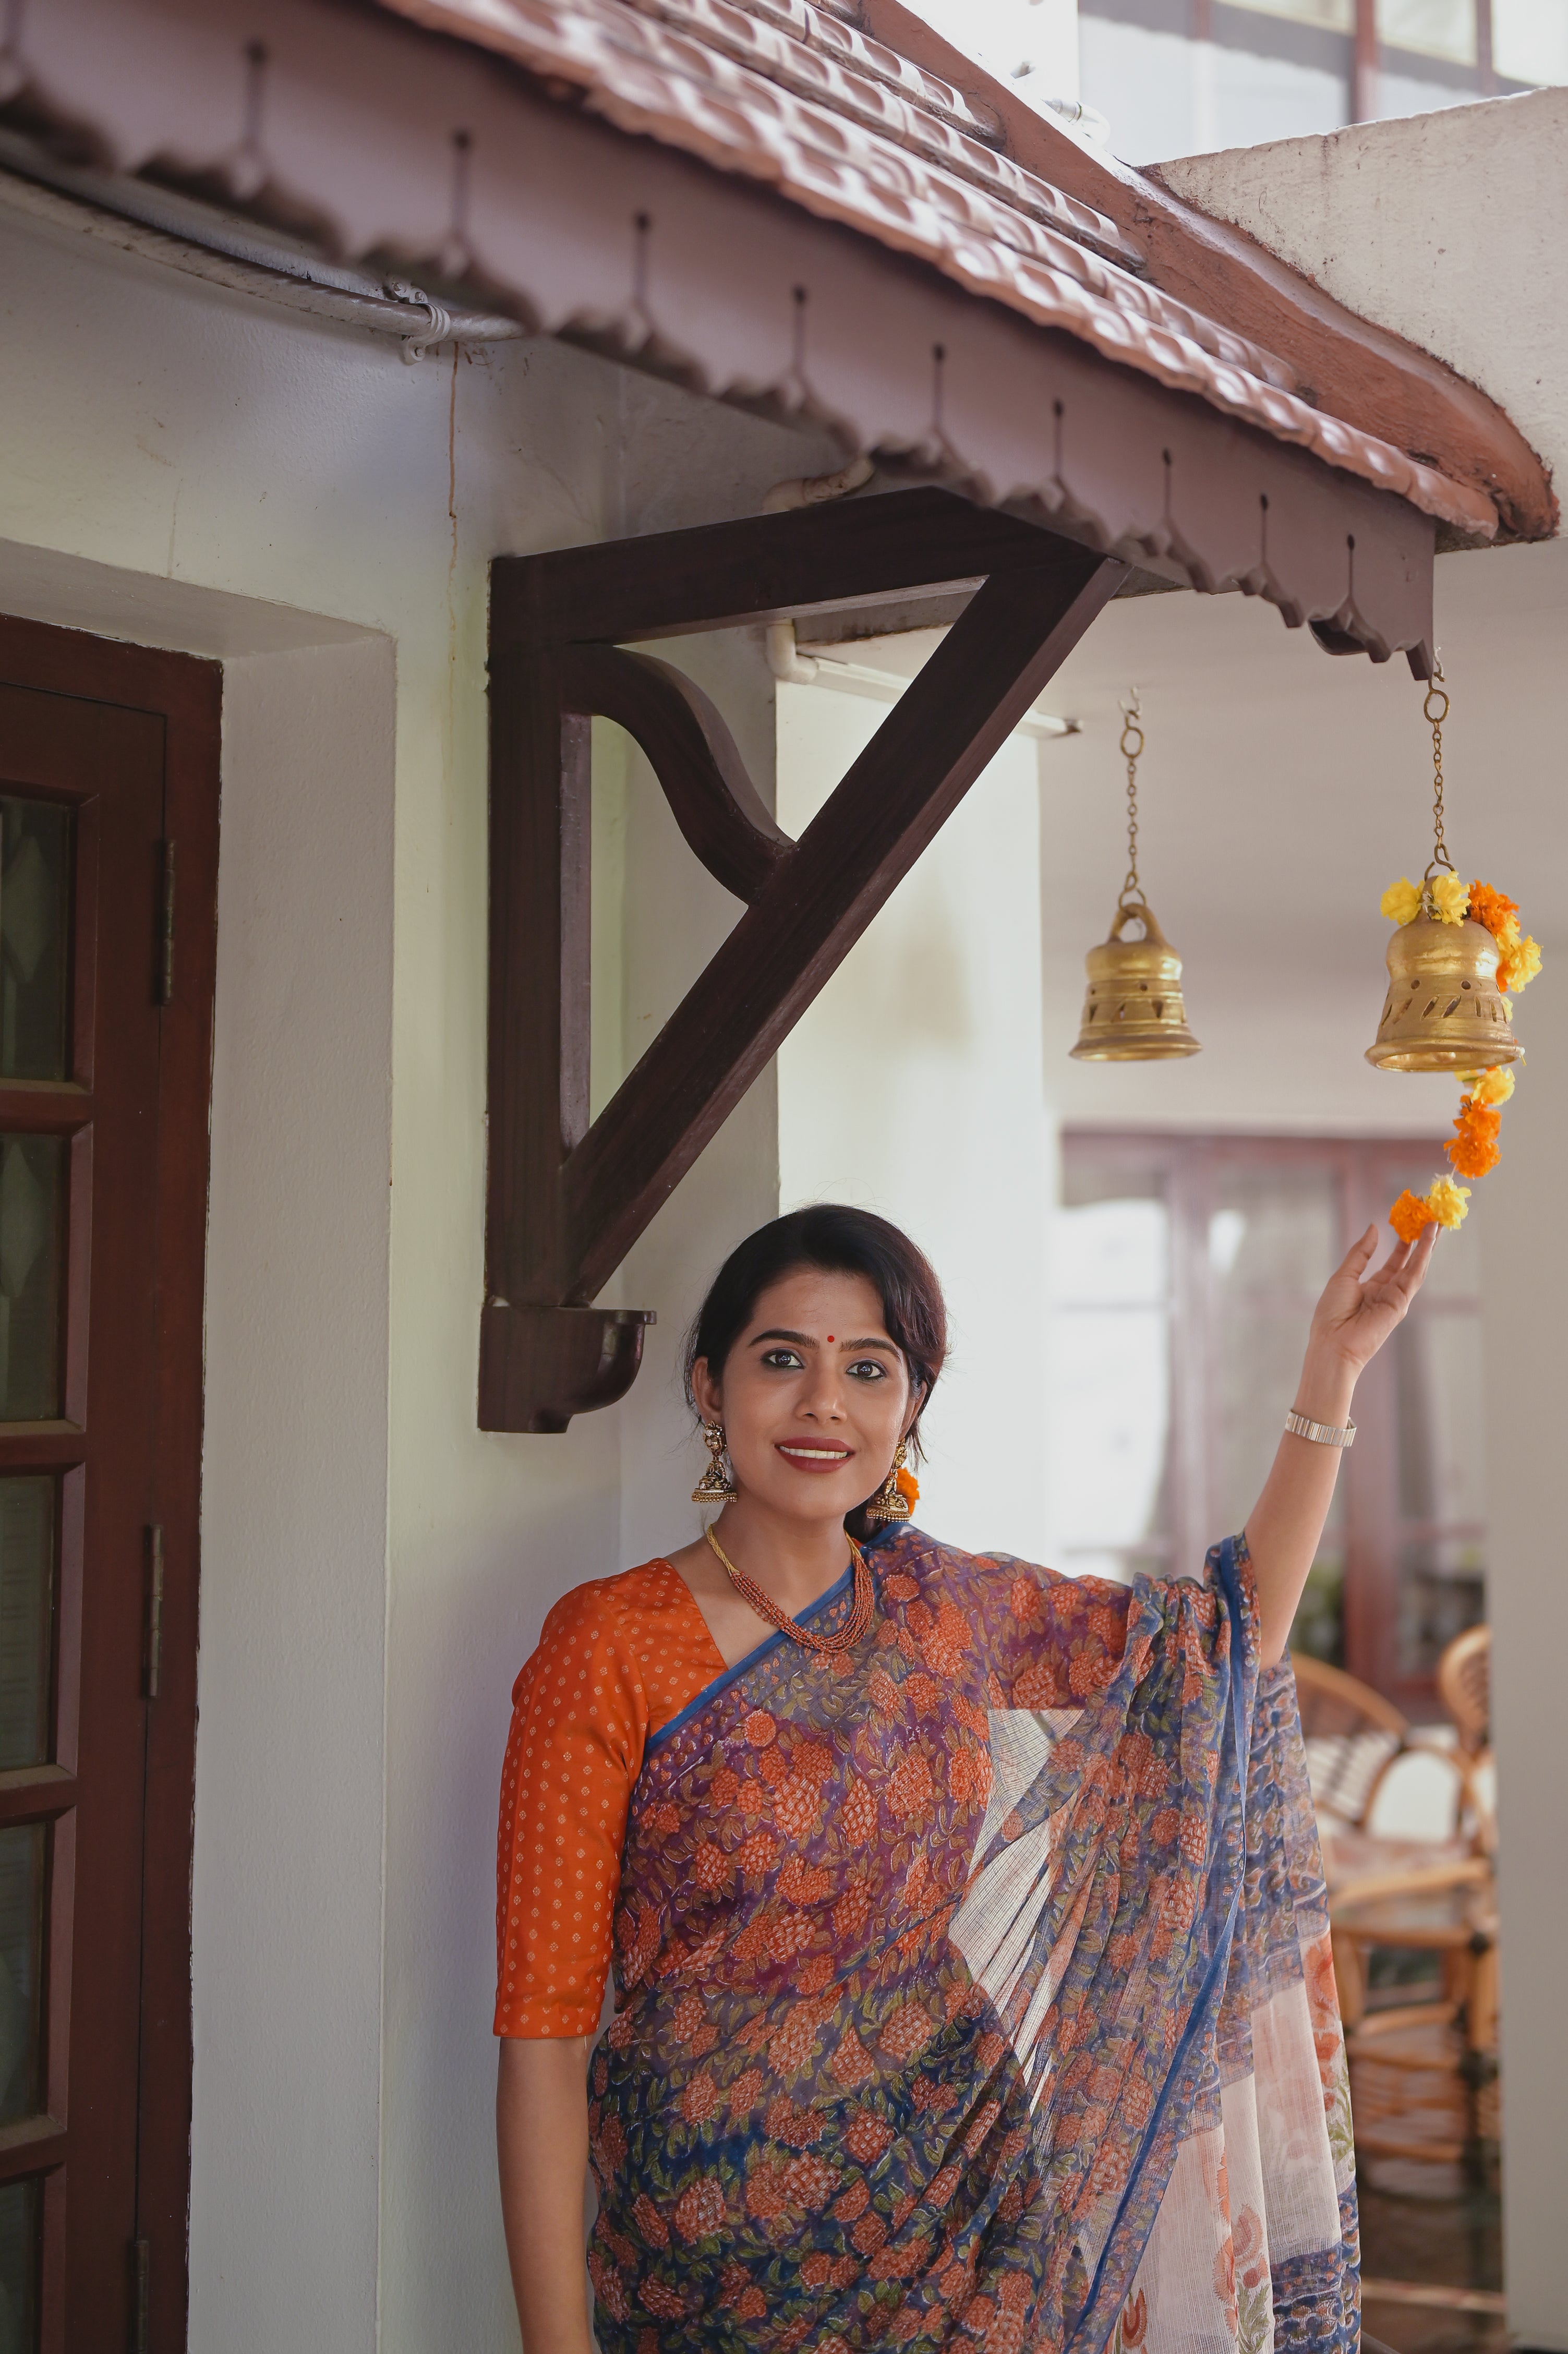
(1359, 1311)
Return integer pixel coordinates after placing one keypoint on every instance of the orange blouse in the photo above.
(616, 1661)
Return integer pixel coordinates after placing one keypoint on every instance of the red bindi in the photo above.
(829, 1339)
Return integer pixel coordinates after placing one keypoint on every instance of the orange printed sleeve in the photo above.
(615, 1661)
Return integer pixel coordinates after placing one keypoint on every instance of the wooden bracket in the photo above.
(566, 1200)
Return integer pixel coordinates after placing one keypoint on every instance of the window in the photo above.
(1184, 1271)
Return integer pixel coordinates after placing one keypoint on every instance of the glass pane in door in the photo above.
(35, 939)
(20, 2207)
(21, 1949)
(27, 1618)
(32, 1274)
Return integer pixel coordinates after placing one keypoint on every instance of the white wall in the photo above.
(1443, 227)
(913, 1086)
(288, 1879)
(194, 470)
(1527, 1295)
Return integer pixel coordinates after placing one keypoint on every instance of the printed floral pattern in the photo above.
(815, 2122)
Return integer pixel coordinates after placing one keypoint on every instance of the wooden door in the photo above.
(106, 841)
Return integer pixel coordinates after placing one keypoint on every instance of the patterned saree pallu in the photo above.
(973, 1989)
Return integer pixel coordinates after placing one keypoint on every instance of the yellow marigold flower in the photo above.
(1446, 1201)
(1506, 935)
(1492, 1086)
(1450, 897)
(1401, 903)
(1520, 966)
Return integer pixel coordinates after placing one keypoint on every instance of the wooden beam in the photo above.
(762, 568)
(949, 723)
(567, 1201)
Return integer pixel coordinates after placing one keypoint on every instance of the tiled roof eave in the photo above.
(741, 125)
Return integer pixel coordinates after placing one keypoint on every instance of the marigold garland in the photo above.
(1474, 1149)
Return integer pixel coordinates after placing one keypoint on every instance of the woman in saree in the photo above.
(970, 1947)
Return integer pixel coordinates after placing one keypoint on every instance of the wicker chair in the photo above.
(1422, 2076)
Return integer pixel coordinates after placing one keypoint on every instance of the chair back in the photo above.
(1352, 1737)
(1464, 1687)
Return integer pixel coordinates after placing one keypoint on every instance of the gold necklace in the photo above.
(853, 1629)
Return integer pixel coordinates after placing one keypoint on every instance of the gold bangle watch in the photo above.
(1327, 1434)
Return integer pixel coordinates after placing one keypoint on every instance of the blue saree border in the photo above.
(765, 1650)
(1202, 2018)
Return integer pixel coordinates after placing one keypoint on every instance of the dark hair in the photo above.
(839, 1241)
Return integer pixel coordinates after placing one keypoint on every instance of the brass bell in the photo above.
(1133, 1010)
(1443, 1011)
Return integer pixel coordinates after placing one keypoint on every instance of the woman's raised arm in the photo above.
(1350, 1324)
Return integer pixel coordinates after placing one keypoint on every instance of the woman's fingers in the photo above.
(1355, 1260)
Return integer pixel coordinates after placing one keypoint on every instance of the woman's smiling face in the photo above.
(815, 1396)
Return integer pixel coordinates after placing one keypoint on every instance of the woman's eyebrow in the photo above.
(796, 1339)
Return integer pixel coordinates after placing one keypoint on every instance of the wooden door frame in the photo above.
(186, 691)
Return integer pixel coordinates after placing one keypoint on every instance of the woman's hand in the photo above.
(1357, 1311)
(1350, 1324)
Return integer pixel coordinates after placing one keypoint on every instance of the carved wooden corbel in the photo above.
(566, 1200)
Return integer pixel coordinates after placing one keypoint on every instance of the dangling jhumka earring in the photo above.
(1133, 1010)
(716, 1485)
(891, 1502)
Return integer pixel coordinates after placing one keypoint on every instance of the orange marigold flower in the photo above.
(1490, 907)
(1409, 1214)
(1475, 1147)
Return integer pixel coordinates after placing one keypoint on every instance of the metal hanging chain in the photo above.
(1434, 710)
(1131, 748)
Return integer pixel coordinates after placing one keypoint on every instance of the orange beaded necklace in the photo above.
(851, 1632)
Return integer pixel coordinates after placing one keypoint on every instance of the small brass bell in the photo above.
(1444, 1009)
(1133, 1010)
